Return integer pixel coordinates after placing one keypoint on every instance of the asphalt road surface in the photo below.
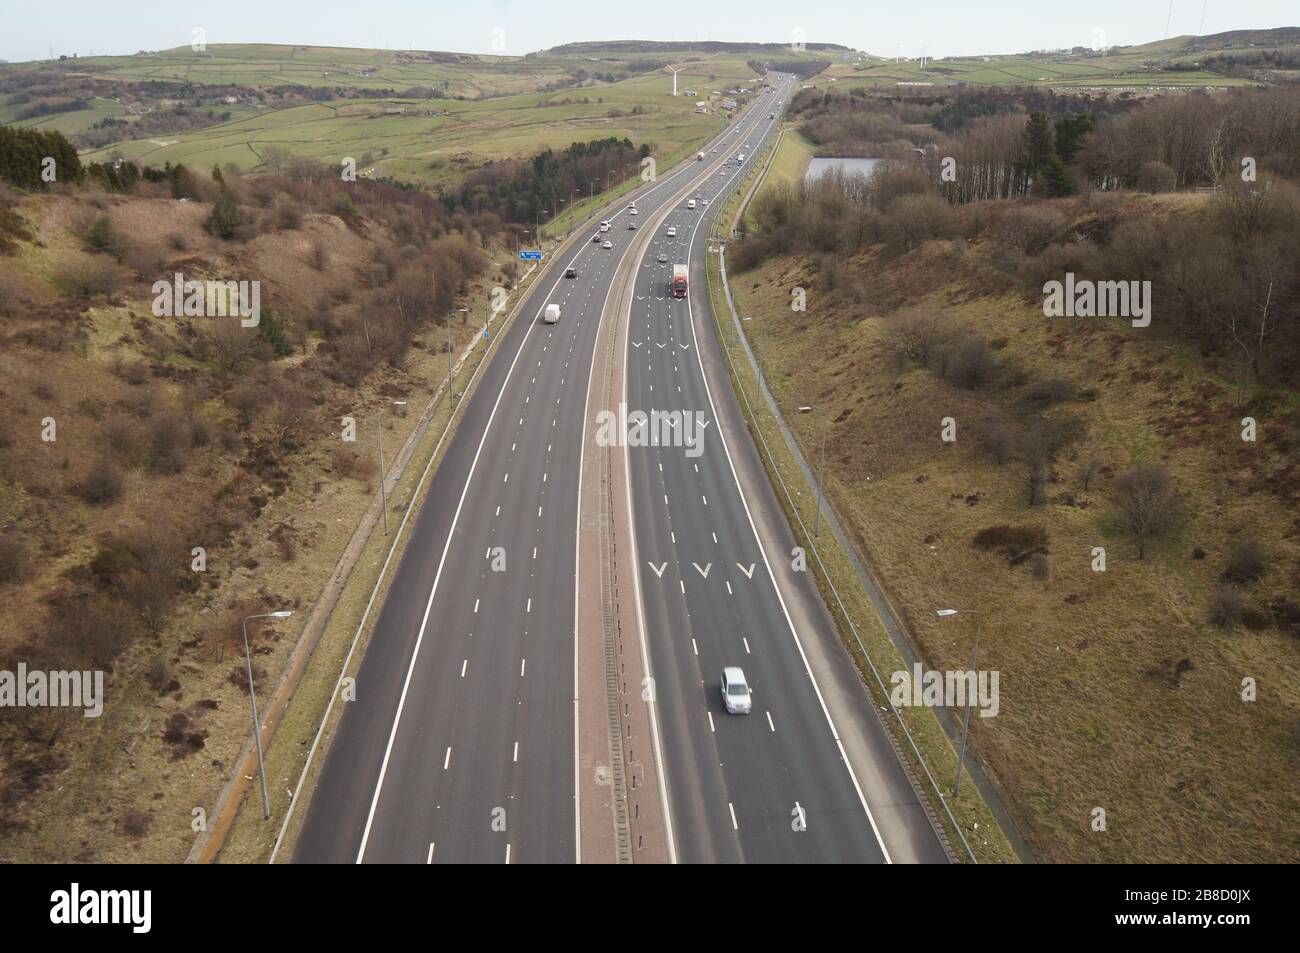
(776, 785)
(464, 718)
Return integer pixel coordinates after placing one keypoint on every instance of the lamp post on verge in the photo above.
(453, 311)
(821, 476)
(383, 472)
(257, 727)
(965, 731)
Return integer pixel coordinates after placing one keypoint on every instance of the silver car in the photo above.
(735, 692)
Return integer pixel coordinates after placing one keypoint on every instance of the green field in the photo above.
(1136, 67)
(270, 65)
(68, 123)
(435, 141)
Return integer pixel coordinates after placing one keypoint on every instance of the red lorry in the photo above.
(679, 281)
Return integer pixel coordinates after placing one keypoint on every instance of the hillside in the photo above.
(174, 432)
(1120, 504)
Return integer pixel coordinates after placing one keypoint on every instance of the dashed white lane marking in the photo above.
(523, 665)
(463, 665)
(746, 641)
(769, 721)
(711, 727)
(732, 808)
(447, 760)
(507, 853)
(516, 751)
(530, 604)
(429, 859)
(728, 582)
(695, 647)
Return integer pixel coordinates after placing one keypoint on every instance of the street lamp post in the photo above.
(257, 727)
(974, 660)
(453, 311)
(821, 475)
(383, 472)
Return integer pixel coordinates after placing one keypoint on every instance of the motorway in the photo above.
(460, 745)
(777, 785)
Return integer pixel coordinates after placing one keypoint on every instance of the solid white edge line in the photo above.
(451, 532)
(460, 504)
(640, 602)
(772, 576)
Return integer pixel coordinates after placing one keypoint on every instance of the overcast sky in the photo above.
(910, 27)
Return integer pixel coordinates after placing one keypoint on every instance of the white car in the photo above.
(735, 692)
(722, 172)
(672, 231)
(607, 245)
(633, 210)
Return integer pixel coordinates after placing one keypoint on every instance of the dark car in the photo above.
(571, 272)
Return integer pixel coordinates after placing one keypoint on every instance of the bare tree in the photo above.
(1148, 506)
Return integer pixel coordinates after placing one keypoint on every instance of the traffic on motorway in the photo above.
(465, 725)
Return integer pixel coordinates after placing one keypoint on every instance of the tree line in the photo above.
(519, 190)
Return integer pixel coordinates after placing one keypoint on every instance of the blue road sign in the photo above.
(530, 255)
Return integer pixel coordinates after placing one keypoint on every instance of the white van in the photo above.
(552, 315)
(691, 204)
(604, 226)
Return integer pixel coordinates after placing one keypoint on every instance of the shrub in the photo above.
(915, 337)
(1247, 562)
(1050, 390)
(1013, 540)
(101, 236)
(86, 276)
(914, 219)
(997, 439)
(103, 484)
(168, 440)
(1226, 607)
(226, 217)
(135, 824)
(1156, 177)
(319, 258)
(1148, 506)
(1030, 229)
(969, 362)
(14, 558)
(1087, 471)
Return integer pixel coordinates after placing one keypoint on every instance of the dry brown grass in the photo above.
(273, 518)
(1117, 692)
